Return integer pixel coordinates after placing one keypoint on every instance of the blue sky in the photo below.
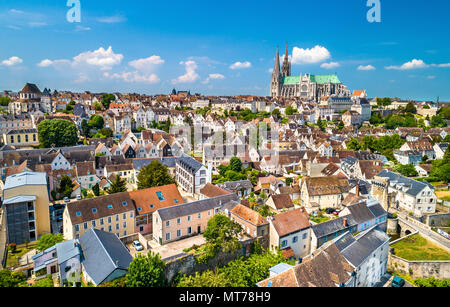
(225, 48)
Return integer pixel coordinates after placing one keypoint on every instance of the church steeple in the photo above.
(286, 71)
(275, 84)
(276, 68)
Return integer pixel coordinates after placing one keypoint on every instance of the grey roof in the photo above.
(103, 253)
(236, 185)
(189, 163)
(377, 210)
(364, 186)
(140, 163)
(196, 206)
(280, 268)
(414, 187)
(357, 249)
(25, 178)
(333, 226)
(361, 213)
(349, 160)
(67, 250)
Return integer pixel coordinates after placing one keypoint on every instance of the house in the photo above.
(147, 201)
(327, 231)
(86, 174)
(291, 233)
(21, 137)
(292, 191)
(365, 216)
(318, 193)
(408, 157)
(423, 146)
(105, 258)
(191, 175)
(368, 253)
(280, 202)
(125, 171)
(396, 191)
(440, 149)
(242, 188)
(253, 224)
(189, 219)
(113, 213)
(424, 169)
(211, 190)
(25, 201)
(327, 267)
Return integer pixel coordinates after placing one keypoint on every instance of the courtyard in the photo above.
(417, 248)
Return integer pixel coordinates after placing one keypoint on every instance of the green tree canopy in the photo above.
(406, 170)
(48, 240)
(58, 132)
(66, 186)
(117, 186)
(4, 101)
(154, 175)
(222, 233)
(235, 164)
(146, 271)
(107, 99)
(10, 280)
(96, 122)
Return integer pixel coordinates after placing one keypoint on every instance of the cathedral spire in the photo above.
(276, 68)
(286, 70)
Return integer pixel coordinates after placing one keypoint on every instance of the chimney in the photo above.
(345, 222)
(357, 190)
(74, 244)
(117, 263)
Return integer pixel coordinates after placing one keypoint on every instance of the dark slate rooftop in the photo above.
(140, 163)
(333, 226)
(189, 164)
(414, 187)
(236, 185)
(362, 246)
(361, 213)
(377, 210)
(196, 206)
(103, 254)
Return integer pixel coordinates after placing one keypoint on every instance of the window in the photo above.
(304, 236)
(124, 216)
(94, 210)
(168, 236)
(160, 196)
(102, 222)
(189, 218)
(109, 228)
(124, 224)
(117, 226)
(179, 233)
(110, 206)
(199, 216)
(176, 201)
(117, 218)
(78, 213)
(139, 209)
(178, 221)
(124, 203)
(168, 224)
(77, 228)
(295, 239)
(131, 214)
(189, 230)
(85, 225)
(284, 243)
(93, 223)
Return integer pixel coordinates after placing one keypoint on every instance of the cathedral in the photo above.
(308, 87)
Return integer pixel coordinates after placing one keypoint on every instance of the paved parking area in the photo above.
(176, 248)
(134, 252)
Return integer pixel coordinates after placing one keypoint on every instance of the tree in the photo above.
(410, 108)
(146, 271)
(10, 280)
(106, 132)
(57, 132)
(236, 164)
(107, 99)
(117, 186)
(44, 283)
(406, 170)
(354, 144)
(96, 189)
(48, 240)
(4, 101)
(290, 110)
(276, 113)
(154, 175)
(84, 128)
(97, 106)
(341, 125)
(222, 233)
(96, 122)
(66, 186)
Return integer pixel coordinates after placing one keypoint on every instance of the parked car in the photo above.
(67, 199)
(138, 246)
(78, 197)
(398, 282)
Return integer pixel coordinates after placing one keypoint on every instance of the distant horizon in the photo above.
(226, 48)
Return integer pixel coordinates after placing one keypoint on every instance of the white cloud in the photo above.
(213, 77)
(105, 59)
(14, 60)
(431, 77)
(190, 76)
(147, 64)
(310, 56)
(330, 65)
(81, 28)
(240, 65)
(414, 64)
(442, 65)
(133, 77)
(112, 19)
(55, 63)
(366, 67)
(37, 24)
(14, 27)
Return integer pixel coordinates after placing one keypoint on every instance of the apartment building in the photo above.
(191, 175)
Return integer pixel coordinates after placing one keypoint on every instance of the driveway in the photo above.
(176, 248)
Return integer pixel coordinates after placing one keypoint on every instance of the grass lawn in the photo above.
(21, 250)
(319, 219)
(417, 248)
(443, 195)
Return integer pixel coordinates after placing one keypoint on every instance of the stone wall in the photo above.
(437, 220)
(188, 265)
(392, 226)
(419, 269)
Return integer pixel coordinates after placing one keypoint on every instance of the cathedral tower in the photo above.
(275, 84)
(286, 71)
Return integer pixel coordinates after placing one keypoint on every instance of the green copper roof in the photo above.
(320, 79)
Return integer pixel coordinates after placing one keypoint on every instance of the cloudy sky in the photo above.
(225, 48)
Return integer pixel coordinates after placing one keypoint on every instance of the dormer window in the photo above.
(78, 213)
(110, 206)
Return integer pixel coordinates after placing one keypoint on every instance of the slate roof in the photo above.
(333, 226)
(196, 206)
(67, 250)
(236, 185)
(361, 213)
(357, 249)
(189, 164)
(414, 187)
(377, 210)
(142, 162)
(103, 253)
